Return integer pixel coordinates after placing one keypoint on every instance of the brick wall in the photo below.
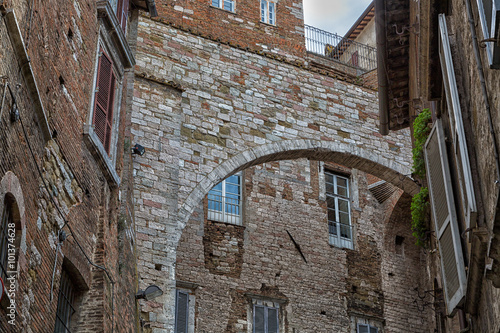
(321, 295)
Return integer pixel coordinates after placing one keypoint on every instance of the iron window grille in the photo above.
(268, 12)
(339, 210)
(4, 239)
(65, 304)
(224, 4)
(224, 201)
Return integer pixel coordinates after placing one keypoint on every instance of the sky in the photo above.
(333, 15)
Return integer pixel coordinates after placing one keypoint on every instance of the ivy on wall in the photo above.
(420, 201)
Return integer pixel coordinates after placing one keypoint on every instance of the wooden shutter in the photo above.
(122, 14)
(181, 312)
(458, 132)
(272, 320)
(489, 15)
(104, 99)
(445, 218)
(363, 328)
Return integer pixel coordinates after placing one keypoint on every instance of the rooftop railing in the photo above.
(340, 49)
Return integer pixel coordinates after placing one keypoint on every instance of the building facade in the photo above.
(66, 243)
(443, 56)
(256, 202)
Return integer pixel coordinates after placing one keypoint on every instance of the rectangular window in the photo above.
(268, 12)
(224, 201)
(339, 211)
(104, 100)
(265, 319)
(489, 15)
(6, 219)
(365, 328)
(224, 4)
(65, 305)
(181, 311)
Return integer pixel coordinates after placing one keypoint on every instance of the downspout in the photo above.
(381, 68)
(480, 71)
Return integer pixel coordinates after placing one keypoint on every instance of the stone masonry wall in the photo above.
(327, 293)
(204, 110)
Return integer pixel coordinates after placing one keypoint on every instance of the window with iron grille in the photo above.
(224, 201)
(65, 304)
(265, 319)
(104, 100)
(4, 239)
(224, 4)
(181, 311)
(268, 12)
(339, 211)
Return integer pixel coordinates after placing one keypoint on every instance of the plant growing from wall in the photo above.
(420, 133)
(419, 205)
(420, 201)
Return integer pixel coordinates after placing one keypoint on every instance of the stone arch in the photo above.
(11, 193)
(351, 156)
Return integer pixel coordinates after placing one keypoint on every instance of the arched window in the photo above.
(10, 237)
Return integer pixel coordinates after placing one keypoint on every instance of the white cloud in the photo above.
(333, 15)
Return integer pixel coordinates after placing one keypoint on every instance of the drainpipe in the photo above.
(480, 71)
(381, 68)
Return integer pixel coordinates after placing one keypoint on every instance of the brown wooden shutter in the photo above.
(445, 217)
(104, 99)
(181, 312)
(122, 13)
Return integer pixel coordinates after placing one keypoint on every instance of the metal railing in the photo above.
(340, 49)
(341, 234)
(224, 209)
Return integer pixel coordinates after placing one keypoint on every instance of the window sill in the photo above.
(268, 24)
(224, 10)
(97, 150)
(226, 223)
(105, 11)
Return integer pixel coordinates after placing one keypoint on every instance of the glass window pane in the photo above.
(344, 218)
(263, 10)
(342, 191)
(341, 182)
(331, 215)
(232, 189)
(272, 320)
(332, 228)
(329, 188)
(271, 12)
(259, 320)
(343, 206)
(329, 178)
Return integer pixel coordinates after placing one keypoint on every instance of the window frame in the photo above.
(266, 16)
(68, 293)
(488, 29)
(221, 4)
(266, 316)
(337, 239)
(222, 215)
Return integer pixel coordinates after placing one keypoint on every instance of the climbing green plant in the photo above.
(419, 205)
(420, 201)
(420, 133)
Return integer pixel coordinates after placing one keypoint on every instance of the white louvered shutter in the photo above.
(445, 218)
(458, 132)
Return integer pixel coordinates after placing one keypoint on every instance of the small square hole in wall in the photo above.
(399, 242)
(158, 267)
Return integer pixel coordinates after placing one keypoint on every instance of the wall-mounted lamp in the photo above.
(151, 292)
(14, 113)
(138, 149)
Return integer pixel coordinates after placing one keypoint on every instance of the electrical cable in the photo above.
(66, 223)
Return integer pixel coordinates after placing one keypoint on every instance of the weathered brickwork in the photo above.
(318, 296)
(205, 110)
(61, 40)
